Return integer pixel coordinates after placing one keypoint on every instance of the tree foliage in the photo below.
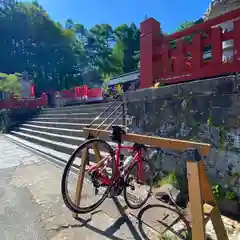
(10, 83)
(60, 57)
(184, 25)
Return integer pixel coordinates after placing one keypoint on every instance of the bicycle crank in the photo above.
(117, 187)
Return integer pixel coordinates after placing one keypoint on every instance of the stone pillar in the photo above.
(150, 33)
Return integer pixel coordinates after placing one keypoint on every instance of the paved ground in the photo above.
(31, 206)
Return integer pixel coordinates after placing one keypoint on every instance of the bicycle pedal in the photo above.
(111, 194)
(130, 185)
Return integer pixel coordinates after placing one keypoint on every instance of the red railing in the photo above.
(182, 56)
(95, 93)
(84, 91)
(66, 94)
(24, 103)
(81, 91)
(78, 92)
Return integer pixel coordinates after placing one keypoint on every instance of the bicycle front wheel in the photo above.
(138, 184)
(93, 191)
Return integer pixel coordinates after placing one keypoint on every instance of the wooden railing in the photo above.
(194, 53)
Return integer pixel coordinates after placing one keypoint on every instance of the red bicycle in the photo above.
(110, 175)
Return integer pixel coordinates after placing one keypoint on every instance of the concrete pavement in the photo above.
(31, 206)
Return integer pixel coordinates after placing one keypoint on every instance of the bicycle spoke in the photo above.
(98, 175)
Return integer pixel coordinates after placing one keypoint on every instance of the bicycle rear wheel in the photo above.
(138, 188)
(94, 192)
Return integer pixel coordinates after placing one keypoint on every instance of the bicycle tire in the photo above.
(128, 202)
(67, 200)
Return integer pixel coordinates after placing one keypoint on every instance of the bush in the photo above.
(10, 83)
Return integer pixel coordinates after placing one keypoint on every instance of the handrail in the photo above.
(155, 141)
(96, 118)
(114, 120)
(109, 116)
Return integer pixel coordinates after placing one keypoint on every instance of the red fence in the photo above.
(78, 92)
(67, 94)
(84, 91)
(182, 56)
(24, 103)
(95, 93)
(81, 91)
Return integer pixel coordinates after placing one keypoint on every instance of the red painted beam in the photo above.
(205, 25)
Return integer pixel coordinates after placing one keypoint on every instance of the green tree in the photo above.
(185, 25)
(128, 39)
(62, 57)
(34, 43)
(10, 83)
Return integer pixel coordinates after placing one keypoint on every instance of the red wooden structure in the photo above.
(66, 94)
(84, 91)
(31, 103)
(95, 93)
(162, 62)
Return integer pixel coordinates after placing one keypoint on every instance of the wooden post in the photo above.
(199, 193)
(195, 197)
(80, 179)
(81, 174)
(96, 151)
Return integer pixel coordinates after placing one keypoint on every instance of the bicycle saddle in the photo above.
(117, 132)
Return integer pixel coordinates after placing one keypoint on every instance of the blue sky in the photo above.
(170, 13)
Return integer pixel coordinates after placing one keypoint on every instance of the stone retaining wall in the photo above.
(205, 111)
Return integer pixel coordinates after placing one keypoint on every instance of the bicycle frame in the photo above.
(137, 157)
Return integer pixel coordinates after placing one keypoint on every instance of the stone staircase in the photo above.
(56, 132)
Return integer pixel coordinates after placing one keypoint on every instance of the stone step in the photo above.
(39, 148)
(98, 104)
(68, 139)
(56, 130)
(85, 121)
(59, 131)
(74, 110)
(83, 107)
(57, 146)
(54, 156)
(66, 125)
(75, 115)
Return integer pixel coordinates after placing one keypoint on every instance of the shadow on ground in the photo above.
(138, 230)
